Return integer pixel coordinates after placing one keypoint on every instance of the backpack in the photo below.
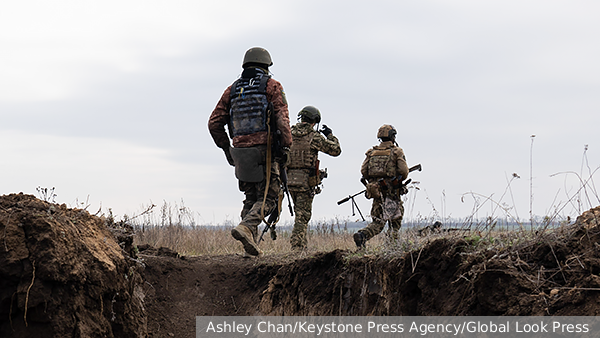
(380, 163)
(248, 107)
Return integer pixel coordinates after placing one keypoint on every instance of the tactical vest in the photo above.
(381, 163)
(248, 112)
(302, 157)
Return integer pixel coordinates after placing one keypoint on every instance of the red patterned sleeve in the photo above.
(218, 119)
(282, 116)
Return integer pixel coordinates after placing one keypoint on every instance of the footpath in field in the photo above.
(66, 273)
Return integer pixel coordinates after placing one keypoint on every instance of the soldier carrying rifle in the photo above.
(254, 109)
(383, 171)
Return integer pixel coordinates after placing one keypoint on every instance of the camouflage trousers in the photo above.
(254, 192)
(303, 211)
(376, 226)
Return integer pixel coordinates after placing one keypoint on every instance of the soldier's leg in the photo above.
(394, 226)
(246, 232)
(253, 217)
(373, 228)
(303, 211)
(251, 196)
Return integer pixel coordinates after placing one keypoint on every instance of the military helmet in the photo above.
(387, 131)
(310, 114)
(257, 55)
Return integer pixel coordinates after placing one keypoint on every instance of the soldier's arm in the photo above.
(364, 168)
(280, 106)
(329, 145)
(218, 119)
(401, 166)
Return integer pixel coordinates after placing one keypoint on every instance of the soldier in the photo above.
(254, 108)
(304, 175)
(384, 169)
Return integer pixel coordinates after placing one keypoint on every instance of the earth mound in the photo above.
(66, 273)
(63, 273)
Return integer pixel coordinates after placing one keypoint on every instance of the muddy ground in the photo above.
(65, 273)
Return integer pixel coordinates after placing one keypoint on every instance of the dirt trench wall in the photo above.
(556, 274)
(63, 274)
(337, 283)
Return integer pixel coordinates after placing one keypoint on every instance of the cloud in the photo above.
(465, 82)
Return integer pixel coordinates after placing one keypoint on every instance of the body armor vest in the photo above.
(381, 163)
(248, 112)
(302, 157)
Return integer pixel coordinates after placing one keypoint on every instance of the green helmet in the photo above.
(387, 131)
(257, 55)
(310, 114)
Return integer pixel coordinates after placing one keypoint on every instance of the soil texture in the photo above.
(66, 273)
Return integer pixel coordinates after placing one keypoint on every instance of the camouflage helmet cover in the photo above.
(387, 131)
(257, 55)
(310, 114)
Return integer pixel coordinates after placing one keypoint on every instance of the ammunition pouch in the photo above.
(373, 190)
(298, 178)
(249, 164)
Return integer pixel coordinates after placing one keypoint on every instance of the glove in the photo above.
(227, 152)
(326, 130)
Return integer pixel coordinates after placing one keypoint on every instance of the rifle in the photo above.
(274, 216)
(437, 228)
(278, 151)
(417, 167)
(402, 186)
(282, 168)
(354, 205)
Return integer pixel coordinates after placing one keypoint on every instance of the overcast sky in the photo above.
(108, 101)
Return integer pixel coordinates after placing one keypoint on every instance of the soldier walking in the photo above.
(304, 175)
(254, 108)
(384, 169)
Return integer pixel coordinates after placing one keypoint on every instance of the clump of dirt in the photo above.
(63, 273)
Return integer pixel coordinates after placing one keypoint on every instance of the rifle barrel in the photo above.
(350, 197)
(343, 200)
(415, 167)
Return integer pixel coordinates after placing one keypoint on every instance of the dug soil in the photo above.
(66, 273)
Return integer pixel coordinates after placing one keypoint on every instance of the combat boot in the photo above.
(360, 239)
(244, 235)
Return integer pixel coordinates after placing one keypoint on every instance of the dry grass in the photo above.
(174, 227)
(172, 231)
(217, 240)
(177, 231)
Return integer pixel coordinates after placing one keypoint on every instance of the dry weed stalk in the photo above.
(27, 295)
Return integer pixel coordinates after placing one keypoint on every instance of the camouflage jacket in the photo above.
(394, 166)
(303, 174)
(220, 117)
(318, 143)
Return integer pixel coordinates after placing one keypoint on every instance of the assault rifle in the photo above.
(279, 152)
(437, 228)
(283, 156)
(399, 185)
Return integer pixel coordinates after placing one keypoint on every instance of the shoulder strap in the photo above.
(262, 87)
(233, 87)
